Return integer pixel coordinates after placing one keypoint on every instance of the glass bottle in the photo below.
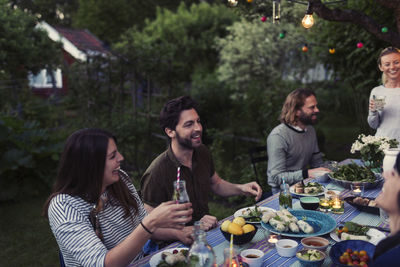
(200, 253)
(180, 195)
(285, 198)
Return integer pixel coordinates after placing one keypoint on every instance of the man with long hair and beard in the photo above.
(293, 152)
(180, 121)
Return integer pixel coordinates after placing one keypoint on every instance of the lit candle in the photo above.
(325, 204)
(357, 190)
(336, 205)
(272, 240)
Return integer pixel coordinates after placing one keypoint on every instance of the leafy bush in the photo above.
(29, 160)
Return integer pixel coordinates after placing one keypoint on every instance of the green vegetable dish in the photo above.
(310, 255)
(354, 173)
(253, 214)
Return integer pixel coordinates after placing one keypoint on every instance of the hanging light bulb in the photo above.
(308, 20)
(233, 2)
(276, 11)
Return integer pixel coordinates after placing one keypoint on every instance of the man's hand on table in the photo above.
(186, 235)
(209, 222)
(312, 172)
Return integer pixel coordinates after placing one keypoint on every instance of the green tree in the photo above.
(23, 49)
(170, 48)
(109, 19)
(54, 12)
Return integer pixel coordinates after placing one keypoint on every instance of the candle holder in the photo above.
(271, 239)
(337, 205)
(357, 190)
(324, 205)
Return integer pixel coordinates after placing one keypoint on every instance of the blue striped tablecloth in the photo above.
(271, 257)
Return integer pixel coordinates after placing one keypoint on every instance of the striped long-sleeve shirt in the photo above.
(80, 246)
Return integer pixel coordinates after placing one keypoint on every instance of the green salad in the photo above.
(310, 255)
(354, 173)
(252, 215)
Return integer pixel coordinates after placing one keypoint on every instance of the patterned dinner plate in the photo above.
(245, 211)
(321, 222)
(156, 259)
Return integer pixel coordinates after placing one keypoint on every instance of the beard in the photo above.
(307, 119)
(187, 142)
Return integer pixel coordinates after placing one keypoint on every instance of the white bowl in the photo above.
(256, 258)
(286, 247)
(315, 242)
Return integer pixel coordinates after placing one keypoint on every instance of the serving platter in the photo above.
(155, 260)
(367, 185)
(321, 222)
(374, 235)
(365, 208)
(292, 191)
(241, 212)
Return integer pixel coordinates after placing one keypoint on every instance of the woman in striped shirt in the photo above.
(95, 212)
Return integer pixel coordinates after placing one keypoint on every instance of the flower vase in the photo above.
(390, 158)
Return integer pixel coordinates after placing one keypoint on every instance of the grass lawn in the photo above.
(26, 239)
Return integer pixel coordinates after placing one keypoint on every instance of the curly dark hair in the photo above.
(170, 113)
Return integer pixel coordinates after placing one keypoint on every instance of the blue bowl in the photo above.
(306, 263)
(339, 248)
(309, 203)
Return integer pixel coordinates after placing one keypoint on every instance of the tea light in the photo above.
(272, 240)
(324, 205)
(357, 190)
(337, 206)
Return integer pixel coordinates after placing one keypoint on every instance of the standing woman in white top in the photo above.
(95, 212)
(387, 119)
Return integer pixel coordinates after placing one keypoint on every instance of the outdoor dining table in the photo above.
(271, 258)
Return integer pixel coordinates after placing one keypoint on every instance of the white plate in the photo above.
(239, 213)
(157, 257)
(291, 190)
(374, 234)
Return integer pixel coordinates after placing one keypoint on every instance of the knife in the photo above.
(383, 229)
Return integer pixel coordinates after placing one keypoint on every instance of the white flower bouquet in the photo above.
(372, 149)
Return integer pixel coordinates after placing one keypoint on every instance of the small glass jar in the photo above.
(324, 205)
(271, 238)
(337, 205)
(357, 190)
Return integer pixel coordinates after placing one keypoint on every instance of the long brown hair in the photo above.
(81, 170)
(294, 102)
(384, 52)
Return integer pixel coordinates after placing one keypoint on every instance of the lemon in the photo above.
(235, 229)
(240, 221)
(225, 225)
(247, 228)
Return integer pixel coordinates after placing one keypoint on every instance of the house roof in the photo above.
(78, 43)
(82, 39)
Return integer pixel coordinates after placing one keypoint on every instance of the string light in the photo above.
(308, 20)
(276, 10)
(233, 2)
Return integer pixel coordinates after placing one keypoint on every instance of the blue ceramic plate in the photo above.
(340, 247)
(321, 222)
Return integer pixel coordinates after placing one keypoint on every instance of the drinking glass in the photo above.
(384, 216)
(379, 101)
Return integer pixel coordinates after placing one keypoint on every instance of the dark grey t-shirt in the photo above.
(157, 181)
